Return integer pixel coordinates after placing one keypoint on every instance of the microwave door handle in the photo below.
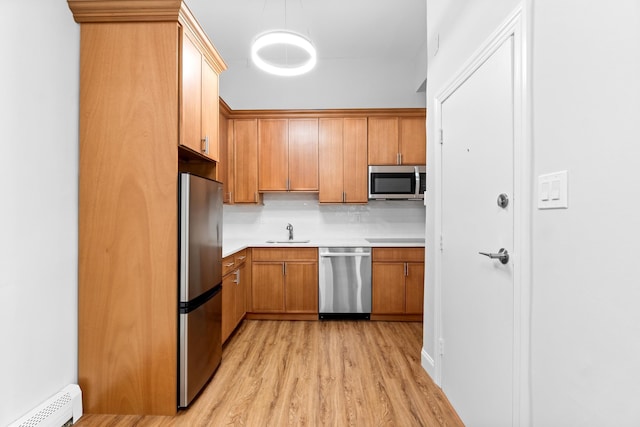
(417, 172)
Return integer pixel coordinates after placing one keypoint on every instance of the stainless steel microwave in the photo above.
(397, 182)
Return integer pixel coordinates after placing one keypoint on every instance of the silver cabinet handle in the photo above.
(347, 254)
(502, 255)
(237, 273)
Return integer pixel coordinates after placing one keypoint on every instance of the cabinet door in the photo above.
(303, 155)
(191, 111)
(267, 287)
(383, 140)
(355, 160)
(301, 287)
(332, 161)
(413, 140)
(225, 169)
(228, 305)
(414, 288)
(273, 160)
(210, 112)
(387, 288)
(245, 165)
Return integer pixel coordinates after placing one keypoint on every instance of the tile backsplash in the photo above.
(311, 220)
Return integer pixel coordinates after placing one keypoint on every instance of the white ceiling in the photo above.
(385, 29)
(349, 36)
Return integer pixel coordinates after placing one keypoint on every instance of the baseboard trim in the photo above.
(428, 363)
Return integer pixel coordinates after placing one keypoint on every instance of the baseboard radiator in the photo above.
(62, 409)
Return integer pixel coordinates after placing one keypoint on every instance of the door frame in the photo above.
(516, 26)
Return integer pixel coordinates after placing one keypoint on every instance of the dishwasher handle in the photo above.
(344, 254)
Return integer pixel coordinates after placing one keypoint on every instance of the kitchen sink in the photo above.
(288, 241)
(395, 240)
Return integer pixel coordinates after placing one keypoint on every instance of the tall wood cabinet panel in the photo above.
(130, 108)
(332, 161)
(343, 156)
(397, 140)
(355, 160)
(303, 155)
(245, 162)
(273, 154)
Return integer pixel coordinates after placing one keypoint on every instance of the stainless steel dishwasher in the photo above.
(344, 283)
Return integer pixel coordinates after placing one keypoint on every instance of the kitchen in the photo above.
(122, 182)
(578, 300)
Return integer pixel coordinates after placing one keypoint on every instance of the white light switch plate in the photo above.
(553, 191)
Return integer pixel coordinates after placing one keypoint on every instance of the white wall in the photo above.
(38, 219)
(354, 83)
(585, 321)
(321, 223)
(585, 317)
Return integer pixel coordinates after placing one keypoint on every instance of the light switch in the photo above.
(544, 191)
(553, 191)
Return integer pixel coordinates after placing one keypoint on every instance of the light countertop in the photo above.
(231, 246)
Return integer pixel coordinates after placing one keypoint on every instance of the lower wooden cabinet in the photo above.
(284, 283)
(397, 283)
(235, 281)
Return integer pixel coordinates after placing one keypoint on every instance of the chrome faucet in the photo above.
(290, 228)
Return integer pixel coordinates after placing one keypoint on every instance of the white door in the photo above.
(476, 291)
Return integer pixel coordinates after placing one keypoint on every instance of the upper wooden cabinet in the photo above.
(343, 156)
(224, 168)
(200, 105)
(273, 154)
(244, 134)
(133, 106)
(397, 141)
(288, 154)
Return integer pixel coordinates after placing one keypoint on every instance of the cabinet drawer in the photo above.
(240, 257)
(228, 264)
(284, 254)
(398, 254)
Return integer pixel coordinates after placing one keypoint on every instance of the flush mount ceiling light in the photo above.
(283, 38)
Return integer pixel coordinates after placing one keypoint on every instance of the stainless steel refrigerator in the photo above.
(200, 297)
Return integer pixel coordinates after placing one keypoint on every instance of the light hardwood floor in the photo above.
(313, 373)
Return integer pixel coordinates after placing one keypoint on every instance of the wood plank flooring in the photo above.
(313, 373)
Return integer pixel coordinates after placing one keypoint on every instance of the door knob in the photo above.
(502, 255)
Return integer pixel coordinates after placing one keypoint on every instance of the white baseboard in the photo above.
(428, 363)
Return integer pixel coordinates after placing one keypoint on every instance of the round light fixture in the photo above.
(283, 38)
